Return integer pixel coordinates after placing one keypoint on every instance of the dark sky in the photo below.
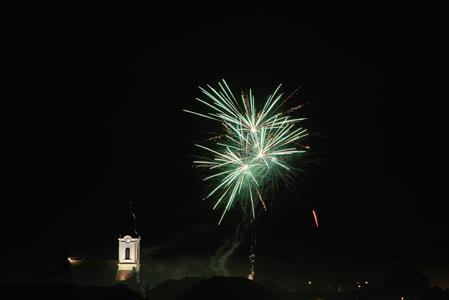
(91, 117)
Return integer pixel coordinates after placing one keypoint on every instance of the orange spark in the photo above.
(315, 217)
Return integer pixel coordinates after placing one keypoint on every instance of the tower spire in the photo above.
(130, 227)
(133, 216)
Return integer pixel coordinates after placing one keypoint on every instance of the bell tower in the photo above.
(129, 249)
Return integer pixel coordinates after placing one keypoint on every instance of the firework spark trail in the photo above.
(315, 217)
(252, 252)
(255, 146)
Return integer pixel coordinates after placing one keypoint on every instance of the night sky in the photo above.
(91, 117)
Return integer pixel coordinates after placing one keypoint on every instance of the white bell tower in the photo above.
(129, 253)
(129, 250)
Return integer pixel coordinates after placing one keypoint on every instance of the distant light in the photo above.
(251, 275)
(366, 282)
(123, 277)
(402, 298)
(310, 282)
(74, 261)
(359, 286)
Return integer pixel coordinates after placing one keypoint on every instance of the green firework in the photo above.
(256, 146)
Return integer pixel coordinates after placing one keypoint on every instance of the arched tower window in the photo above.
(127, 252)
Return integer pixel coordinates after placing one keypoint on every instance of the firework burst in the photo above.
(255, 148)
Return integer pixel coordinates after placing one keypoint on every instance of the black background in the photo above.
(91, 117)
